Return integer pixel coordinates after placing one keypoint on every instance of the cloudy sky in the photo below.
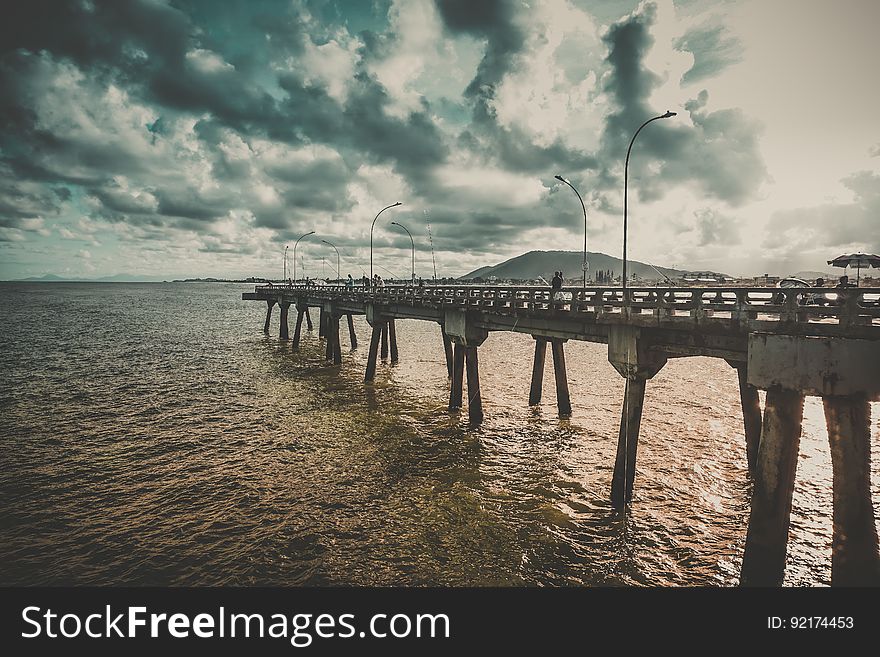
(197, 138)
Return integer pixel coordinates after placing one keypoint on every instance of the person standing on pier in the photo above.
(556, 285)
(349, 283)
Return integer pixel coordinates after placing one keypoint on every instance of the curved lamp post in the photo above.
(338, 274)
(294, 252)
(284, 275)
(373, 225)
(561, 179)
(625, 176)
(413, 274)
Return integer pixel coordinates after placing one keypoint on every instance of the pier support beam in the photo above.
(284, 332)
(475, 400)
(632, 356)
(447, 348)
(336, 347)
(268, 315)
(854, 549)
(327, 323)
(353, 338)
(538, 371)
(455, 392)
(384, 340)
(297, 331)
(392, 338)
(322, 323)
(373, 353)
(628, 442)
(751, 410)
(767, 539)
(563, 399)
(308, 319)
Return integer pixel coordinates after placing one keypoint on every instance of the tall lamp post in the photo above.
(284, 275)
(338, 271)
(625, 176)
(373, 225)
(413, 270)
(561, 179)
(294, 252)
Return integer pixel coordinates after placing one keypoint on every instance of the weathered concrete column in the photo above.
(328, 334)
(633, 357)
(308, 319)
(751, 410)
(284, 332)
(297, 331)
(475, 400)
(385, 340)
(628, 442)
(268, 315)
(373, 353)
(563, 399)
(455, 392)
(854, 549)
(334, 338)
(767, 539)
(538, 371)
(353, 338)
(322, 323)
(447, 348)
(392, 338)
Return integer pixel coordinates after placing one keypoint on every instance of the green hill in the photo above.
(533, 264)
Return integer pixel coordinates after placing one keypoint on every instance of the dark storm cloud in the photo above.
(495, 21)
(720, 153)
(713, 48)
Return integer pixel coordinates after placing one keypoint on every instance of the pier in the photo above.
(789, 342)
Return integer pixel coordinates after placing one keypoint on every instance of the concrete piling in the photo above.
(384, 341)
(854, 549)
(334, 338)
(767, 539)
(455, 392)
(269, 305)
(392, 338)
(284, 332)
(308, 319)
(447, 348)
(538, 371)
(351, 334)
(475, 400)
(373, 353)
(628, 442)
(322, 323)
(751, 410)
(563, 399)
(297, 331)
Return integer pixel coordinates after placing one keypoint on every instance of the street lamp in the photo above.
(561, 179)
(393, 205)
(284, 275)
(413, 274)
(294, 252)
(625, 176)
(338, 274)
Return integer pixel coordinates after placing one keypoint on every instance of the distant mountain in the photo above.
(533, 264)
(116, 278)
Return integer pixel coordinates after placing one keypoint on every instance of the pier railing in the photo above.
(759, 308)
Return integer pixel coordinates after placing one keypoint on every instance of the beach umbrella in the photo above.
(857, 260)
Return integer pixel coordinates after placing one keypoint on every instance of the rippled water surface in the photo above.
(152, 434)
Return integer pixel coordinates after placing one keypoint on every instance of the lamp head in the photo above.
(668, 115)
(394, 223)
(396, 204)
(560, 179)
